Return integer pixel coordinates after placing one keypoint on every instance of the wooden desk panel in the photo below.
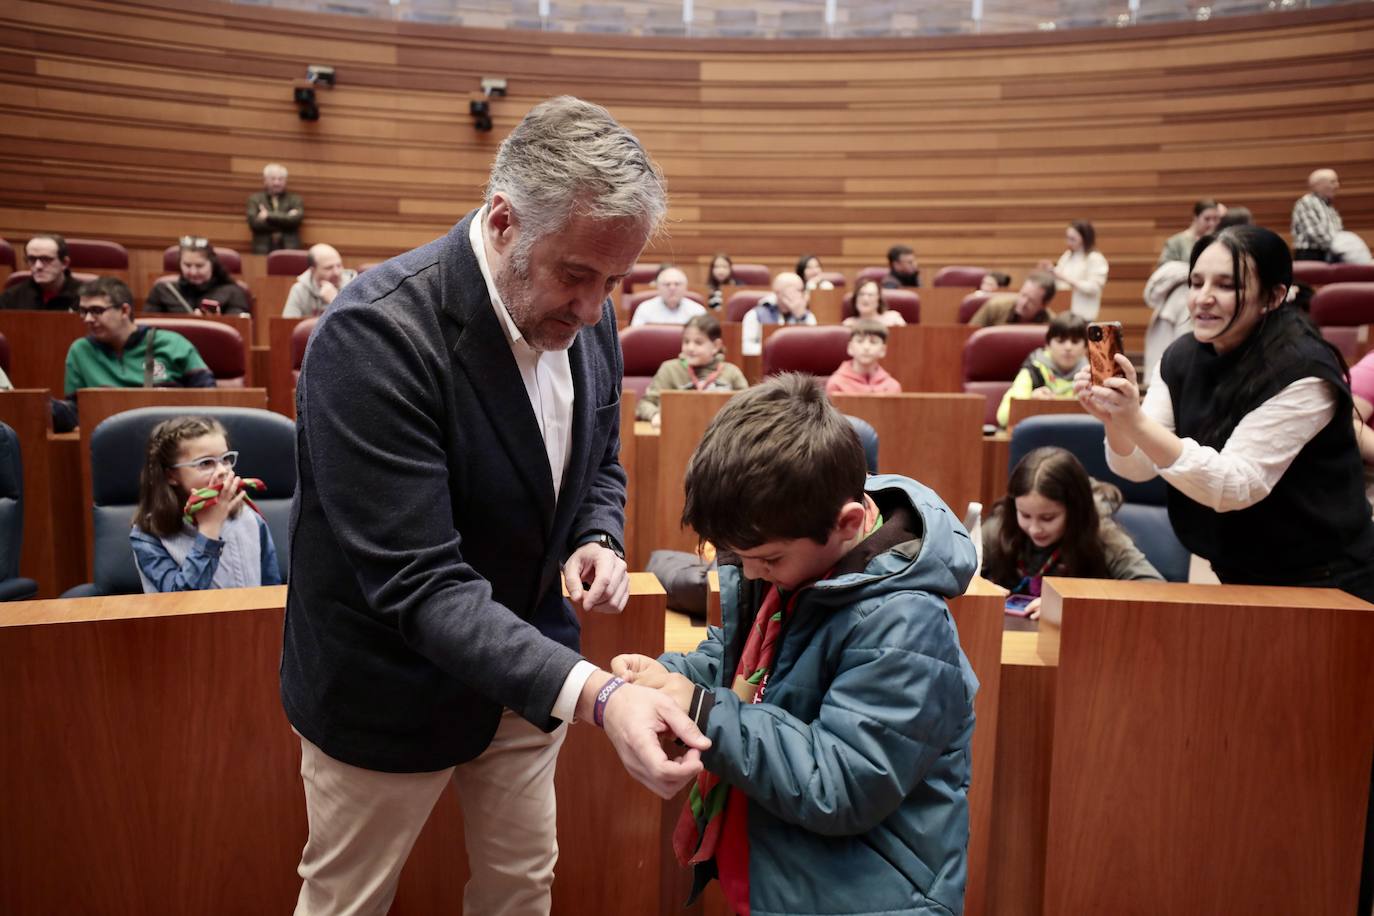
(1022, 408)
(27, 412)
(933, 438)
(940, 304)
(628, 455)
(926, 357)
(1212, 747)
(827, 305)
(269, 294)
(646, 495)
(281, 386)
(996, 450)
(686, 415)
(99, 404)
(38, 346)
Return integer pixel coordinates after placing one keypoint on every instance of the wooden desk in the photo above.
(269, 294)
(923, 358)
(940, 304)
(996, 449)
(827, 305)
(646, 440)
(686, 415)
(628, 460)
(49, 470)
(281, 383)
(1022, 408)
(38, 346)
(99, 404)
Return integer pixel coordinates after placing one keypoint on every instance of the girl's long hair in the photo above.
(159, 506)
(1057, 475)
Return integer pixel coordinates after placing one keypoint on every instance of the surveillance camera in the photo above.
(318, 73)
(494, 85)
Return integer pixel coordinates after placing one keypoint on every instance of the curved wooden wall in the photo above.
(142, 121)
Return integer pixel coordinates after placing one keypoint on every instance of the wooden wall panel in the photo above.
(117, 120)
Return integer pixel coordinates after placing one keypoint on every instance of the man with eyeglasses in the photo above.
(50, 286)
(117, 353)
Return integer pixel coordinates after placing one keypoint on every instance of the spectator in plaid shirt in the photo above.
(1318, 234)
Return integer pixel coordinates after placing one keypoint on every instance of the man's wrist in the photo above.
(603, 539)
(586, 700)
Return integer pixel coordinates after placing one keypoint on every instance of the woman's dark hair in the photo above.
(882, 306)
(711, 280)
(803, 261)
(1206, 203)
(1003, 280)
(1085, 230)
(218, 275)
(159, 506)
(1057, 475)
(1259, 258)
(706, 324)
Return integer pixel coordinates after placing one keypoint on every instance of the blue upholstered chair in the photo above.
(12, 587)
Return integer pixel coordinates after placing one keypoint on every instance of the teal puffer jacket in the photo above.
(857, 764)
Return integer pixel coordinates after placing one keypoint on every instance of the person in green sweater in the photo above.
(1048, 372)
(700, 367)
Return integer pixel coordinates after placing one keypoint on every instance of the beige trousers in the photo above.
(363, 824)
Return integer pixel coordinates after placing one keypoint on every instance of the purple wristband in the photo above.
(599, 710)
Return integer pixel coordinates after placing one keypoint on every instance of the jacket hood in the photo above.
(921, 545)
(1042, 360)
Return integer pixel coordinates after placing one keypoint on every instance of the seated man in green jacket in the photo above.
(117, 353)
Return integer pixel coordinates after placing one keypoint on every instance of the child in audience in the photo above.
(811, 271)
(868, 303)
(700, 367)
(861, 373)
(221, 546)
(1048, 372)
(1057, 521)
(720, 275)
(836, 697)
(995, 281)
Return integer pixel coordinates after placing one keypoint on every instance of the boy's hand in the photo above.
(679, 689)
(639, 669)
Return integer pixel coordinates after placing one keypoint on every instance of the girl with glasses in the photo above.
(221, 545)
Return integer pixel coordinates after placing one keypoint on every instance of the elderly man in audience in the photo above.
(1206, 213)
(1318, 234)
(1029, 306)
(318, 284)
(274, 213)
(902, 269)
(786, 305)
(671, 305)
(50, 286)
(117, 353)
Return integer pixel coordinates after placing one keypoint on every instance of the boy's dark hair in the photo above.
(1003, 280)
(868, 327)
(1067, 326)
(777, 463)
(111, 288)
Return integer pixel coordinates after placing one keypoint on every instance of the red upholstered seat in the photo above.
(247, 291)
(643, 350)
(870, 273)
(97, 254)
(228, 258)
(5, 353)
(835, 278)
(632, 301)
(905, 301)
(1352, 273)
(992, 357)
(6, 254)
(1344, 305)
(220, 345)
(751, 274)
(817, 350)
(971, 304)
(739, 304)
(953, 275)
(638, 276)
(287, 262)
(19, 276)
(300, 336)
(1313, 273)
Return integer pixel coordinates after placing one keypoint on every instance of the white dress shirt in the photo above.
(1258, 452)
(548, 383)
(655, 311)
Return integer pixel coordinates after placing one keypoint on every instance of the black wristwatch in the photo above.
(605, 540)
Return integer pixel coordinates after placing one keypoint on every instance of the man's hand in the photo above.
(262, 212)
(328, 291)
(634, 719)
(606, 578)
(640, 669)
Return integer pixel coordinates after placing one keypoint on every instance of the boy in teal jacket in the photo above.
(836, 697)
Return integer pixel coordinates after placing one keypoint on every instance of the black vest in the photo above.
(1315, 523)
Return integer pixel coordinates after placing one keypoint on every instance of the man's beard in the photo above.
(539, 332)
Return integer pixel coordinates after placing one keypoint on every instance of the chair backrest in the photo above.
(643, 350)
(1153, 533)
(97, 254)
(11, 503)
(834, 278)
(638, 276)
(20, 276)
(287, 262)
(954, 275)
(907, 302)
(751, 274)
(739, 304)
(6, 254)
(266, 440)
(971, 304)
(5, 353)
(220, 345)
(1343, 305)
(1352, 273)
(800, 348)
(228, 258)
(300, 337)
(1313, 273)
(992, 357)
(633, 301)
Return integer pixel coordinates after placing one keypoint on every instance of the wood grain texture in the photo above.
(686, 414)
(1211, 744)
(281, 383)
(26, 411)
(38, 347)
(1021, 408)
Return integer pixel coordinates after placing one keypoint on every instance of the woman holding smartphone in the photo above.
(1250, 425)
(203, 287)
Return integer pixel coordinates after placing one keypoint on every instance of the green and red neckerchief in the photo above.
(698, 835)
(703, 383)
(205, 497)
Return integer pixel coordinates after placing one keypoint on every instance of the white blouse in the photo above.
(1089, 274)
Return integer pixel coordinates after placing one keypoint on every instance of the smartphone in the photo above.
(209, 306)
(1104, 343)
(1019, 605)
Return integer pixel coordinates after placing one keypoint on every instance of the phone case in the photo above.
(1104, 342)
(1018, 605)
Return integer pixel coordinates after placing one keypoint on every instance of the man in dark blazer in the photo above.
(458, 440)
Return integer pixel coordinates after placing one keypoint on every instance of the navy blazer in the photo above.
(425, 591)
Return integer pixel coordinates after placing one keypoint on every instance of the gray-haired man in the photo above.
(458, 417)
